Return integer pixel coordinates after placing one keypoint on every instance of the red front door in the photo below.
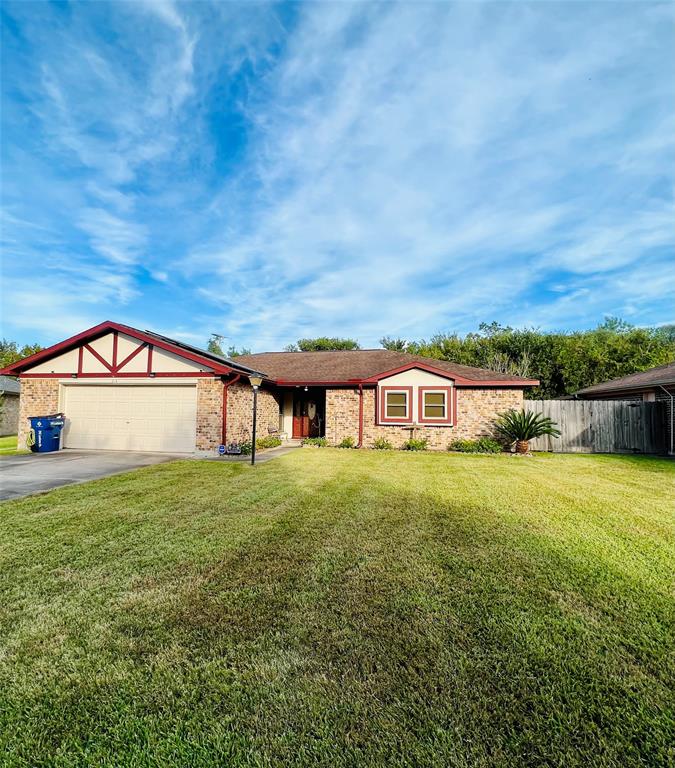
(305, 423)
(300, 427)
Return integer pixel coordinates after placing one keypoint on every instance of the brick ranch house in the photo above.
(125, 389)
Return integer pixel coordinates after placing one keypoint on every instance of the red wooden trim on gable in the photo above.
(408, 367)
(62, 346)
(448, 420)
(117, 375)
(179, 351)
(149, 359)
(101, 329)
(130, 356)
(459, 380)
(114, 360)
(79, 360)
(98, 357)
(383, 405)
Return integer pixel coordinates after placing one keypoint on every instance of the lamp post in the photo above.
(256, 381)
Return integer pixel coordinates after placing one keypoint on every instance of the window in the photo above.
(435, 404)
(397, 405)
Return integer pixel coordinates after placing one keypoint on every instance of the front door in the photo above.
(307, 416)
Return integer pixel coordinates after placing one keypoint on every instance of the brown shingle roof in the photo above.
(356, 365)
(662, 374)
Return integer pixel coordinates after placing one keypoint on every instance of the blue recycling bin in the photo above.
(46, 431)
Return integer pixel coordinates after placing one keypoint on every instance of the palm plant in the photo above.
(520, 427)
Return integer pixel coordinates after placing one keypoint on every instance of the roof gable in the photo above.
(87, 339)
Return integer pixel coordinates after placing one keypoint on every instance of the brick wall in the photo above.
(209, 413)
(9, 415)
(476, 409)
(39, 397)
(240, 412)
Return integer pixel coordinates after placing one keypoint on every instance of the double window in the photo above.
(434, 405)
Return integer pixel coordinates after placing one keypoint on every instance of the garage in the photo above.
(131, 417)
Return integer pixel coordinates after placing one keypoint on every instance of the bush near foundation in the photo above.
(483, 445)
(381, 444)
(271, 441)
(316, 442)
(415, 444)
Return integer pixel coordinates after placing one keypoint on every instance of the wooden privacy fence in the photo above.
(602, 426)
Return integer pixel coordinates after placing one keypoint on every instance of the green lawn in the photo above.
(8, 446)
(343, 608)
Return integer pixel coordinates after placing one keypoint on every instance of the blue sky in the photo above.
(269, 172)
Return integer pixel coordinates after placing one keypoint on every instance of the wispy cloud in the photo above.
(277, 171)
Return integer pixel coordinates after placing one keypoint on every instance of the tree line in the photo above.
(564, 362)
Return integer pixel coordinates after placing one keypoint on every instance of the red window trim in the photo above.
(449, 405)
(382, 410)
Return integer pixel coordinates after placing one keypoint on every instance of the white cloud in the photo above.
(359, 169)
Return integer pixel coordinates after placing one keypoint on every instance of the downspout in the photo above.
(360, 443)
(226, 385)
(670, 395)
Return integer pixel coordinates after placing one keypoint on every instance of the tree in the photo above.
(322, 344)
(10, 352)
(214, 346)
(394, 345)
(234, 352)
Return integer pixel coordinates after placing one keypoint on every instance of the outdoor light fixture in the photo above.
(256, 381)
(306, 389)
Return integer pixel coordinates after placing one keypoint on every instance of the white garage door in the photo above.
(131, 418)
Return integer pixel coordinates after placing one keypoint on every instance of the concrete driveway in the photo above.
(35, 472)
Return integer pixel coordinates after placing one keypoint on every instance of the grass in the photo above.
(343, 608)
(8, 446)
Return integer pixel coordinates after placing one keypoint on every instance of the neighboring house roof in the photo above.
(362, 365)
(662, 375)
(9, 386)
(218, 363)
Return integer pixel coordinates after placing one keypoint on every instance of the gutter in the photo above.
(670, 395)
(360, 443)
(226, 385)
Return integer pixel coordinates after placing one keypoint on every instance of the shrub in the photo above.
(382, 445)
(484, 445)
(271, 441)
(414, 444)
(347, 442)
(520, 427)
(246, 447)
(489, 445)
(318, 442)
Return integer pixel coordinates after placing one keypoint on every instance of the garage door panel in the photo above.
(132, 418)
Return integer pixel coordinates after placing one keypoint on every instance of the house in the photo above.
(10, 390)
(125, 389)
(652, 385)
